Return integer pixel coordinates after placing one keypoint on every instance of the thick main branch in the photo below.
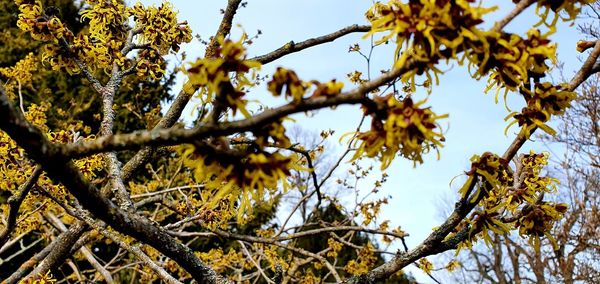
(35, 143)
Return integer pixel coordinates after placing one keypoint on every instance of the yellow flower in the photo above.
(160, 28)
(288, 80)
(425, 265)
(511, 59)
(538, 219)
(571, 7)
(238, 176)
(356, 77)
(545, 101)
(492, 168)
(401, 128)
(329, 89)
(46, 278)
(334, 246)
(452, 265)
(107, 19)
(425, 31)
(20, 74)
(212, 74)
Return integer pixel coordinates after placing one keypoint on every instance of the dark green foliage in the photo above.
(315, 243)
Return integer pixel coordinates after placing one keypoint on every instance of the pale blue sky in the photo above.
(475, 125)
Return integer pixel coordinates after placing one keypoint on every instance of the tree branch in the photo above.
(292, 47)
(14, 203)
(164, 137)
(85, 251)
(54, 255)
(38, 147)
(224, 28)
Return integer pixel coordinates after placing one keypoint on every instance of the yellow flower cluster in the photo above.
(485, 222)
(334, 247)
(571, 7)
(275, 132)
(46, 278)
(425, 265)
(212, 74)
(308, 277)
(19, 75)
(531, 184)
(356, 77)
(428, 30)
(11, 173)
(492, 168)
(101, 45)
(107, 20)
(288, 80)
(42, 24)
(496, 178)
(545, 101)
(22, 69)
(161, 32)
(15, 168)
(59, 61)
(160, 28)
(14, 165)
(365, 260)
(370, 210)
(239, 177)
(402, 127)
(218, 216)
(219, 261)
(452, 265)
(512, 60)
(538, 219)
(511, 202)
(45, 27)
(329, 89)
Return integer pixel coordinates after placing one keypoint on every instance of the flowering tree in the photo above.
(572, 257)
(236, 164)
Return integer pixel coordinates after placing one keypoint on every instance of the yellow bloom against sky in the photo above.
(474, 125)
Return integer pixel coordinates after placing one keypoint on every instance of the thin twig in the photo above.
(14, 203)
(258, 267)
(20, 96)
(271, 241)
(84, 250)
(292, 47)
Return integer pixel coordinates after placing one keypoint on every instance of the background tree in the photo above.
(203, 208)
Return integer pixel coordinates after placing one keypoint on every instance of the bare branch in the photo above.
(271, 241)
(37, 146)
(55, 254)
(163, 137)
(14, 203)
(258, 267)
(224, 28)
(292, 47)
(85, 251)
(519, 8)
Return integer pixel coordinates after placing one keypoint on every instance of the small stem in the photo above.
(20, 96)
